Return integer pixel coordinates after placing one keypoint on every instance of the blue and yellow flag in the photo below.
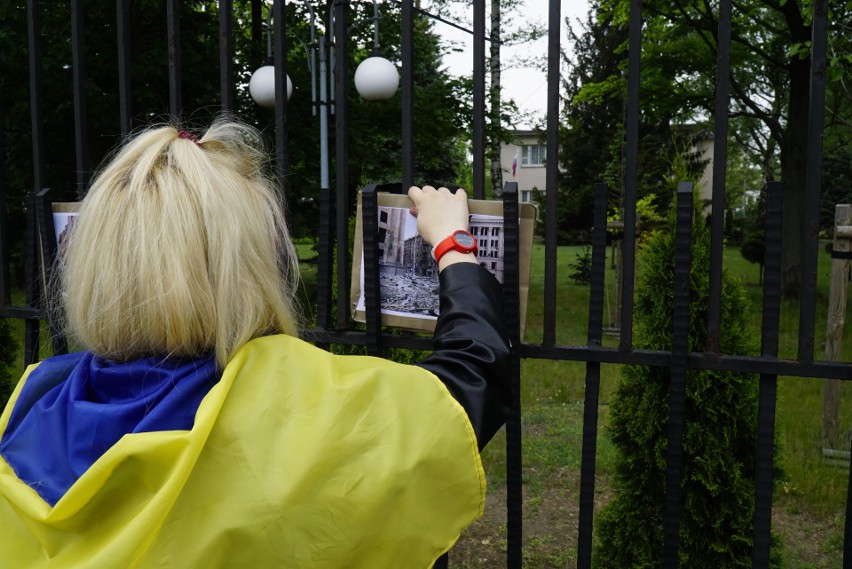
(295, 458)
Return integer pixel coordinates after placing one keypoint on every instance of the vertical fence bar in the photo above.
(47, 238)
(720, 165)
(5, 276)
(280, 62)
(125, 102)
(407, 94)
(256, 22)
(341, 163)
(31, 325)
(552, 181)
(81, 118)
(677, 387)
(768, 383)
(479, 99)
(36, 91)
(514, 460)
(593, 381)
(631, 174)
(226, 54)
(326, 257)
(372, 286)
(173, 27)
(810, 239)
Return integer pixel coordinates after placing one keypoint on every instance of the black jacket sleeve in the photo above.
(471, 346)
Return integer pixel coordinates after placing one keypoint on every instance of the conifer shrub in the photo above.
(719, 437)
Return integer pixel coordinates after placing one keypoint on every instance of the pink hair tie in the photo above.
(189, 136)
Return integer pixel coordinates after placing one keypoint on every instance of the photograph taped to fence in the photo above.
(63, 221)
(408, 273)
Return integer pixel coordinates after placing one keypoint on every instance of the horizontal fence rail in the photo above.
(333, 321)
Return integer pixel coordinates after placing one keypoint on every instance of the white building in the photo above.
(523, 161)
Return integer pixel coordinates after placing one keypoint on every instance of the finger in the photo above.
(415, 194)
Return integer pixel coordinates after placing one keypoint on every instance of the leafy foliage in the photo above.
(592, 141)
(719, 435)
(769, 84)
(441, 114)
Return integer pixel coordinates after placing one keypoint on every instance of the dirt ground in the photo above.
(550, 530)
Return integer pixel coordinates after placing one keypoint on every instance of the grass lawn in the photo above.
(809, 506)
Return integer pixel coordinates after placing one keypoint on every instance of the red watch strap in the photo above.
(450, 244)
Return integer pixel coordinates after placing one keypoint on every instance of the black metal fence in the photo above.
(334, 239)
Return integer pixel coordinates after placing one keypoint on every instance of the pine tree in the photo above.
(719, 436)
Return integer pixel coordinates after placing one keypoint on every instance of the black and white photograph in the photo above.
(408, 272)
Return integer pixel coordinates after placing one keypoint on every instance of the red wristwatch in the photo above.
(460, 241)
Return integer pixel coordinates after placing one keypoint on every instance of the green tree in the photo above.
(441, 113)
(593, 138)
(769, 78)
(719, 435)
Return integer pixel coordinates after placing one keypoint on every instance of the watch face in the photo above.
(464, 239)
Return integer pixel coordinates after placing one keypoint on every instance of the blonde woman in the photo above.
(196, 430)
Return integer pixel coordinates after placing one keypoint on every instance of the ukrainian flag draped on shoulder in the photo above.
(297, 458)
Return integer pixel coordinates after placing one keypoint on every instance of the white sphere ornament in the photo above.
(376, 79)
(262, 86)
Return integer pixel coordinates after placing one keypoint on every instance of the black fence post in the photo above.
(552, 174)
(175, 91)
(226, 54)
(341, 156)
(720, 166)
(5, 275)
(325, 261)
(768, 383)
(32, 324)
(81, 117)
(372, 284)
(593, 382)
(511, 291)
(125, 97)
(677, 387)
(631, 175)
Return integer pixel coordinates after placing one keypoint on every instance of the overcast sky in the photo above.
(527, 86)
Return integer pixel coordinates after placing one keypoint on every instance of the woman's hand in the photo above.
(440, 213)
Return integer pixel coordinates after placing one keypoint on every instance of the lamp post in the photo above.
(376, 79)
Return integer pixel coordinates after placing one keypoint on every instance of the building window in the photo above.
(533, 155)
(526, 196)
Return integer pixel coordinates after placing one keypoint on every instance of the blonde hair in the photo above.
(180, 248)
